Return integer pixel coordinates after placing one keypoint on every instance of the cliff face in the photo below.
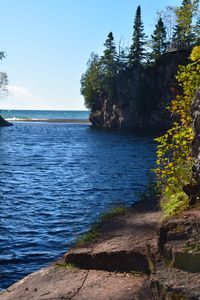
(196, 144)
(141, 96)
(4, 122)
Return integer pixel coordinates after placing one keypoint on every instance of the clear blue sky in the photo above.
(48, 43)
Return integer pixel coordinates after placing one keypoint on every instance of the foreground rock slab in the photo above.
(54, 283)
(125, 244)
(179, 241)
(135, 256)
(177, 275)
(171, 283)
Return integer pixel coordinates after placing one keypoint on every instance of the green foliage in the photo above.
(169, 19)
(174, 159)
(137, 50)
(184, 36)
(100, 76)
(109, 67)
(158, 41)
(108, 60)
(197, 31)
(91, 81)
(88, 237)
(175, 204)
(116, 211)
(115, 73)
(136, 273)
(179, 229)
(93, 234)
(65, 265)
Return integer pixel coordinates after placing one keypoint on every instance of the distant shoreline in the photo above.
(69, 121)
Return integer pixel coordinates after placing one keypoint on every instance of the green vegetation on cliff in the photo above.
(158, 41)
(131, 83)
(118, 73)
(174, 153)
(137, 49)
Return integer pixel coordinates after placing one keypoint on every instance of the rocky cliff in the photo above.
(196, 144)
(141, 96)
(4, 122)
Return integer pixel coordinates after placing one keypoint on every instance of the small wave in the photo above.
(78, 121)
(24, 119)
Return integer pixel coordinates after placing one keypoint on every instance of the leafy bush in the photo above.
(174, 157)
(174, 204)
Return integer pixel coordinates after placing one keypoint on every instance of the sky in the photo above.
(48, 43)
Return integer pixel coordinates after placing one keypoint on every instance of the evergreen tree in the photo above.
(197, 32)
(168, 16)
(108, 60)
(109, 68)
(122, 57)
(100, 76)
(137, 51)
(183, 35)
(158, 40)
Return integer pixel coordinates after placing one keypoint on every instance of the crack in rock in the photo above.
(78, 290)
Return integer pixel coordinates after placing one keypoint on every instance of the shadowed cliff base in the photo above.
(4, 122)
(140, 96)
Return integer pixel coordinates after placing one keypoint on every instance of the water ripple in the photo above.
(55, 179)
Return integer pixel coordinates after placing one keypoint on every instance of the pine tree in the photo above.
(109, 57)
(183, 35)
(137, 51)
(158, 40)
(109, 67)
(197, 32)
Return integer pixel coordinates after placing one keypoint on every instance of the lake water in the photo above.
(20, 115)
(55, 180)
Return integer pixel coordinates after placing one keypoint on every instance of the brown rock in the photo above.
(168, 283)
(124, 245)
(59, 283)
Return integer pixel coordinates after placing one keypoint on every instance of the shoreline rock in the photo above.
(133, 257)
(141, 96)
(4, 122)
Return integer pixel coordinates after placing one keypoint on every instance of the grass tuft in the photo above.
(116, 211)
(88, 237)
(65, 265)
(94, 233)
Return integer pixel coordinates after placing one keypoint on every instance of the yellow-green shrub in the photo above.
(174, 159)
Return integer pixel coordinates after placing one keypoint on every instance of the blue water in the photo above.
(43, 114)
(55, 179)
